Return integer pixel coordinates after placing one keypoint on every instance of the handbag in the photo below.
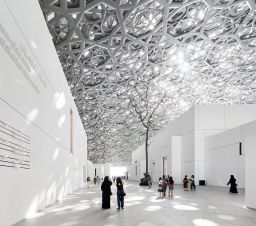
(123, 193)
(160, 188)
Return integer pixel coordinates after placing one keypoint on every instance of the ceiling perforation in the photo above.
(199, 51)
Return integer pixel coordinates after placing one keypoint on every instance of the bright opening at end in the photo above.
(116, 171)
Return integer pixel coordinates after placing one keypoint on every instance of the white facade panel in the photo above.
(224, 139)
(222, 163)
(236, 115)
(250, 169)
(211, 117)
(188, 147)
(175, 170)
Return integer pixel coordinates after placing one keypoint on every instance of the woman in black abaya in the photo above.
(232, 182)
(106, 193)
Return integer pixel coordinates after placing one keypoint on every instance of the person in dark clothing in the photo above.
(120, 192)
(192, 183)
(171, 186)
(88, 181)
(233, 185)
(106, 193)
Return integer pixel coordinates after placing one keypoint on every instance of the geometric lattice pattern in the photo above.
(194, 51)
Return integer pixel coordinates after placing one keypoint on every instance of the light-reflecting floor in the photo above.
(208, 206)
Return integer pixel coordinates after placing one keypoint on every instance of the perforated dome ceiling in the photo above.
(191, 51)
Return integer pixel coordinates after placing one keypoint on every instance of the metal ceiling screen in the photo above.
(191, 51)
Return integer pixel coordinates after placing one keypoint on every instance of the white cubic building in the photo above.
(193, 145)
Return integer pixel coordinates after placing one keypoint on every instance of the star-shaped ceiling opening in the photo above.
(191, 51)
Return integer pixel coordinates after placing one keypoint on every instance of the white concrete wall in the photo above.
(90, 169)
(102, 170)
(166, 142)
(138, 160)
(194, 127)
(35, 98)
(222, 117)
(212, 120)
(243, 165)
(176, 159)
(223, 162)
(99, 170)
(107, 167)
(140, 170)
(250, 169)
(222, 155)
(249, 138)
(132, 173)
(223, 159)
(188, 154)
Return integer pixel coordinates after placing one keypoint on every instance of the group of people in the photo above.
(96, 181)
(191, 182)
(106, 192)
(165, 182)
(168, 183)
(187, 182)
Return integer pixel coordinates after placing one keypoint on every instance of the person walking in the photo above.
(120, 192)
(185, 183)
(106, 193)
(192, 183)
(171, 186)
(233, 184)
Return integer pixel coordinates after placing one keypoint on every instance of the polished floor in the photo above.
(208, 206)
